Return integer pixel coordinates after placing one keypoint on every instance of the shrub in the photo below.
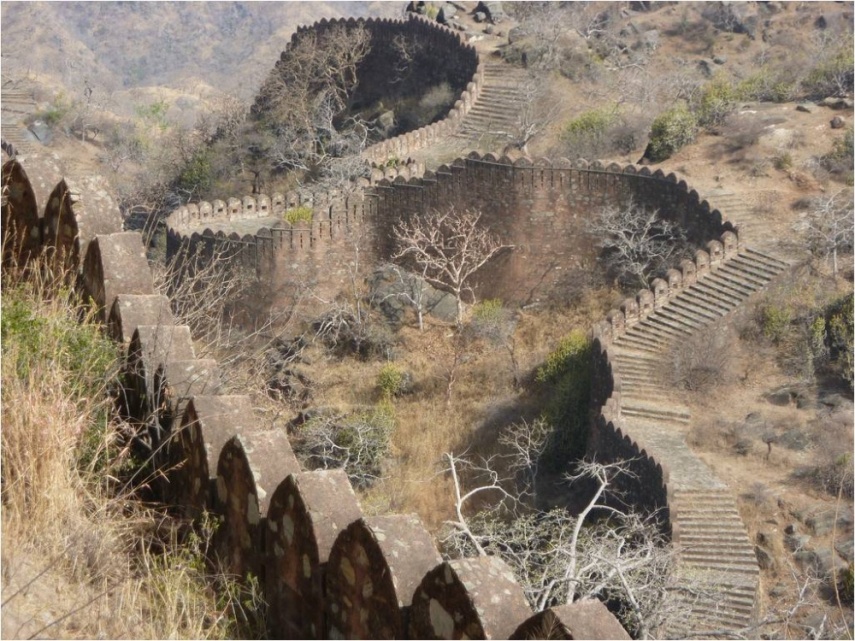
(783, 161)
(701, 362)
(358, 443)
(670, 131)
(301, 214)
(197, 174)
(390, 380)
(832, 76)
(840, 329)
(775, 322)
(567, 376)
(57, 111)
(717, 99)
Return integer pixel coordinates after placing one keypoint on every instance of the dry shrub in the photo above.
(77, 547)
(703, 361)
(833, 437)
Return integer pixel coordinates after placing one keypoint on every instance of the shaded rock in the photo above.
(807, 107)
(837, 122)
(41, 131)
(480, 16)
(706, 66)
(796, 542)
(720, 60)
(492, 11)
(778, 590)
(764, 558)
(835, 103)
(845, 547)
(828, 564)
(489, 30)
(781, 397)
(650, 39)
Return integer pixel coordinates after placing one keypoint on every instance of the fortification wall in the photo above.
(460, 67)
(324, 568)
(540, 208)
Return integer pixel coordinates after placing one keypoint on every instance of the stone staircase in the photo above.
(715, 550)
(715, 553)
(15, 106)
(746, 210)
(494, 115)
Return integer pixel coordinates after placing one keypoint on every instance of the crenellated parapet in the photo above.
(324, 568)
(461, 68)
(540, 207)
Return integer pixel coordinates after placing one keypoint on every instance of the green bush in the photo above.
(775, 322)
(783, 161)
(301, 214)
(834, 75)
(390, 380)
(566, 374)
(197, 174)
(715, 102)
(766, 86)
(670, 131)
(840, 329)
(593, 123)
(56, 111)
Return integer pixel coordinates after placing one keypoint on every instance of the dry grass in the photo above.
(77, 548)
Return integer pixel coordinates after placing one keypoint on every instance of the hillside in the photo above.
(735, 388)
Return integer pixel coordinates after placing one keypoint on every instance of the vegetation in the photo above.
(67, 512)
(297, 215)
(671, 131)
(566, 375)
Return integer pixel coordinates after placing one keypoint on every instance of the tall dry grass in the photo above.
(78, 550)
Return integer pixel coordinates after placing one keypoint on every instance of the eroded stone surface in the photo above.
(250, 467)
(374, 569)
(468, 599)
(588, 619)
(306, 514)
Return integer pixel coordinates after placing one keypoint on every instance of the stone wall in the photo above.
(460, 67)
(326, 570)
(539, 207)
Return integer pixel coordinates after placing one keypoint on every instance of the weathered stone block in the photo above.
(115, 264)
(468, 599)
(194, 450)
(375, 566)
(588, 619)
(250, 466)
(150, 347)
(129, 311)
(306, 514)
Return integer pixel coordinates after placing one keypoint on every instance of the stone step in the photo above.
(721, 291)
(742, 288)
(638, 343)
(764, 259)
(677, 328)
(702, 293)
(743, 277)
(630, 410)
(699, 306)
(760, 270)
(697, 312)
(676, 315)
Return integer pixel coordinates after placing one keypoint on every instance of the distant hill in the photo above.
(119, 46)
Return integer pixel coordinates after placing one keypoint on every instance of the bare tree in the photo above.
(829, 227)
(636, 242)
(449, 247)
(537, 110)
(301, 119)
(560, 558)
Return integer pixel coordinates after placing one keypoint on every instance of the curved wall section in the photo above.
(460, 68)
(540, 208)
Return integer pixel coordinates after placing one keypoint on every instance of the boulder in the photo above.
(807, 107)
(837, 122)
(764, 558)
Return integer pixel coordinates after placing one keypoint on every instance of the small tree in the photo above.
(829, 227)
(449, 247)
(636, 242)
(560, 558)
